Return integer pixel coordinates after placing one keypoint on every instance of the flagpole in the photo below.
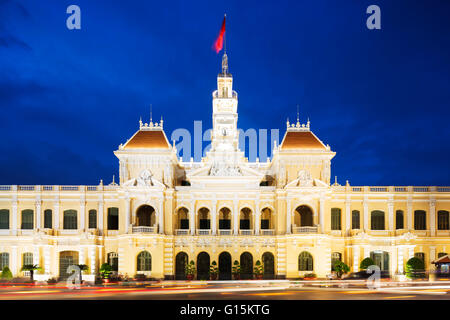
(225, 34)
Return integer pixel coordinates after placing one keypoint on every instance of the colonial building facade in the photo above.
(166, 212)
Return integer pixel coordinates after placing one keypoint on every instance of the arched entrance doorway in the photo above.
(66, 259)
(269, 265)
(181, 260)
(381, 259)
(246, 265)
(203, 266)
(304, 217)
(145, 216)
(225, 266)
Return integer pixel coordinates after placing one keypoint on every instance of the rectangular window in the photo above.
(443, 220)
(4, 260)
(48, 219)
(265, 224)
(335, 219)
(420, 220)
(204, 224)
(4, 219)
(399, 219)
(70, 220)
(113, 218)
(224, 224)
(355, 219)
(92, 219)
(27, 219)
(244, 224)
(184, 223)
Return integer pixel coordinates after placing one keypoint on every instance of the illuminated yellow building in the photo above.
(164, 212)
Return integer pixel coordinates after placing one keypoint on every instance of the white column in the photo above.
(38, 214)
(14, 216)
(161, 216)
(92, 259)
(127, 214)
(288, 216)
(433, 217)
(47, 259)
(81, 257)
(213, 217)
(409, 213)
(366, 214)
(56, 214)
(192, 216)
(235, 217)
(14, 261)
(36, 255)
(322, 214)
(400, 251)
(366, 252)
(391, 214)
(432, 258)
(348, 216)
(257, 221)
(100, 216)
(410, 252)
(355, 258)
(82, 213)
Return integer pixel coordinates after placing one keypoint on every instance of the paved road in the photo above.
(233, 291)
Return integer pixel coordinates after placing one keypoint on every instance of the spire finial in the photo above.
(298, 118)
(225, 63)
(151, 112)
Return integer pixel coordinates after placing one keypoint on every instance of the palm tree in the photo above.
(82, 267)
(30, 268)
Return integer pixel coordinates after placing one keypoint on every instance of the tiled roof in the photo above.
(148, 139)
(301, 140)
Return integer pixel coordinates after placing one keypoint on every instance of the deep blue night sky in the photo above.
(379, 98)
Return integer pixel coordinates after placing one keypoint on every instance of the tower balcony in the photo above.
(304, 230)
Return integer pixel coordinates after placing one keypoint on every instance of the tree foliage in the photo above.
(366, 263)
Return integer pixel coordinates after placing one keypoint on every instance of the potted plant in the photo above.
(30, 268)
(236, 270)
(365, 263)
(310, 276)
(213, 270)
(52, 281)
(6, 274)
(190, 270)
(258, 270)
(105, 272)
(340, 268)
(415, 268)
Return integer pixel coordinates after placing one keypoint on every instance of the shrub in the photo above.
(415, 268)
(213, 269)
(366, 263)
(189, 269)
(6, 274)
(105, 271)
(340, 268)
(236, 267)
(259, 268)
(310, 275)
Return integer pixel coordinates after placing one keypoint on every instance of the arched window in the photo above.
(443, 220)
(399, 220)
(244, 222)
(441, 254)
(113, 218)
(183, 218)
(27, 258)
(377, 220)
(355, 219)
(224, 219)
(27, 219)
(4, 260)
(420, 220)
(113, 260)
(92, 219)
(306, 216)
(335, 219)
(203, 219)
(266, 215)
(70, 220)
(48, 219)
(144, 261)
(305, 262)
(420, 255)
(4, 219)
(335, 256)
